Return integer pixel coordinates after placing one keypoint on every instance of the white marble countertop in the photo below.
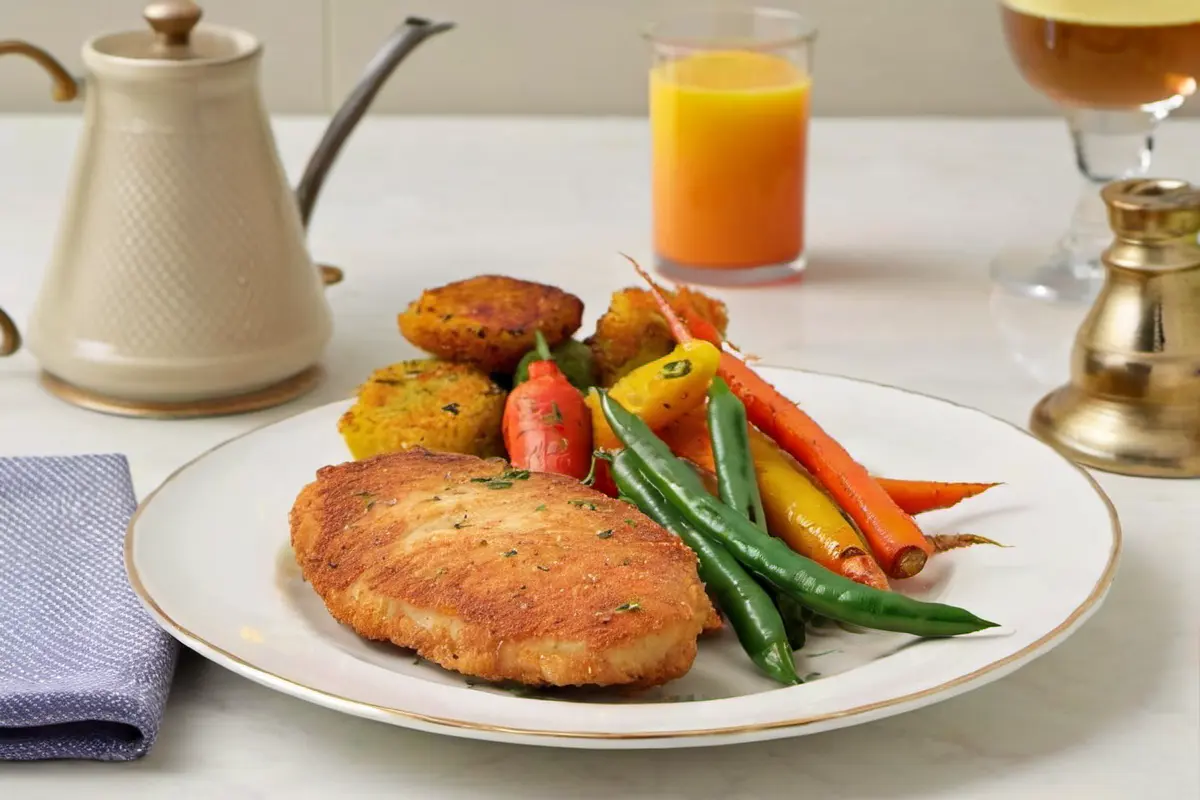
(904, 216)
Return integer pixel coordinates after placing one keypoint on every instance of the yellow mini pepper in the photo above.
(659, 392)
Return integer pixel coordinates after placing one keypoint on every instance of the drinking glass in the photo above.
(1117, 68)
(729, 100)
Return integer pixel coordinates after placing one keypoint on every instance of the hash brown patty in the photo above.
(490, 320)
(425, 403)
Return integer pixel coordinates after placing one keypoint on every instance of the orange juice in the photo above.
(729, 133)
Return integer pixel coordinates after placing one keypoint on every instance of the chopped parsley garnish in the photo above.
(676, 369)
(542, 507)
(625, 608)
(367, 498)
(504, 479)
(451, 408)
(604, 534)
(493, 482)
(584, 504)
(554, 416)
(510, 553)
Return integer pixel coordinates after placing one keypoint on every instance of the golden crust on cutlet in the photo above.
(535, 579)
(490, 320)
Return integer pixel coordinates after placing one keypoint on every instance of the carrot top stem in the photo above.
(678, 329)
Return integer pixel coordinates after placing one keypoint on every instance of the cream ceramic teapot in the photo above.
(180, 283)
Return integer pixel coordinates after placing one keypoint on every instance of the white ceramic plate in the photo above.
(208, 554)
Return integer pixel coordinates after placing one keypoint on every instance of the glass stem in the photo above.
(1109, 146)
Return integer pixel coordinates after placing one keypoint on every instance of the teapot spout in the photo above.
(403, 41)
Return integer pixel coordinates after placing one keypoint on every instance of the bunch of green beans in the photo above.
(728, 523)
(749, 608)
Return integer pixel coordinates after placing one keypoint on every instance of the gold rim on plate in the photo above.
(322, 697)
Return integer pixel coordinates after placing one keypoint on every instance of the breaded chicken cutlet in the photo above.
(490, 320)
(500, 574)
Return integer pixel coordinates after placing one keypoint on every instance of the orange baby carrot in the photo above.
(797, 510)
(689, 439)
(893, 536)
(917, 497)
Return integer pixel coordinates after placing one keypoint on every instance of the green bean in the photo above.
(750, 610)
(812, 585)
(795, 620)
(737, 485)
(730, 433)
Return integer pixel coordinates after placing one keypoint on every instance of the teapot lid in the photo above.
(174, 36)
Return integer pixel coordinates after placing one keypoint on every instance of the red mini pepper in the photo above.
(547, 427)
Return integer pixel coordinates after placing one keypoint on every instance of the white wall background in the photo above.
(873, 57)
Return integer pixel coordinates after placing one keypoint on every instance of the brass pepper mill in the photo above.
(1133, 403)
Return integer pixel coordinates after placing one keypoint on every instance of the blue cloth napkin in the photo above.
(84, 671)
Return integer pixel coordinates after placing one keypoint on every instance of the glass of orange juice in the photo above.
(729, 100)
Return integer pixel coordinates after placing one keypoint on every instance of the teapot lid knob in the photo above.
(172, 20)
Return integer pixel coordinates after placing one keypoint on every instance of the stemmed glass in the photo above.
(1117, 68)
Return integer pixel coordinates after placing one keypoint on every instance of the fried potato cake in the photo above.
(500, 574)
(632, 332)
(426, 403)
(490, 320)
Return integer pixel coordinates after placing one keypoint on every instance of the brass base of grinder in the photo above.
(277, 394)
(1117, 437)
(1132, 404)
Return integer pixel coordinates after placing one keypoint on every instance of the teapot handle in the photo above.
(403, 41)
(64, 89)
(10, 337)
